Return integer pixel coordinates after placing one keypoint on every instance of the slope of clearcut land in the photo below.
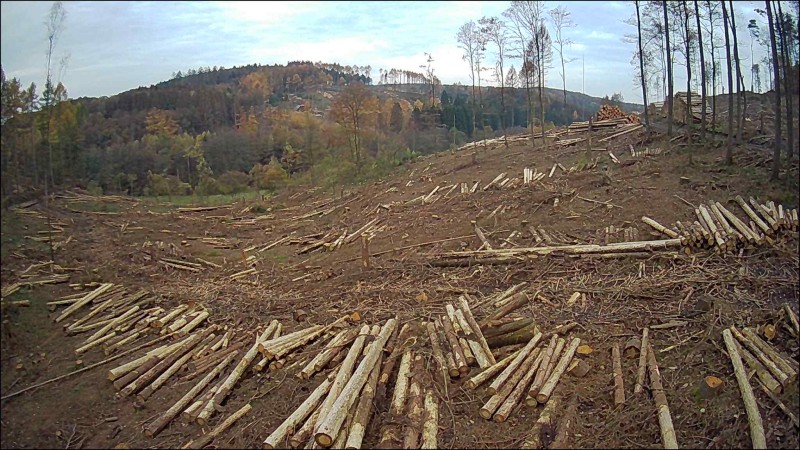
(697, 292)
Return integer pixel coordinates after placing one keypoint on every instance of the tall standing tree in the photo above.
(468, 41)
(351, 108)
(55, 25)
(670, 99)
(713, 14)
(776, 152)
(495, 32)
(687, 40)
(642, 73)
(519, 18)
(740, 92)
(752, 27)
(702, 72)
(562, 19)
(729, 143)
(786, 34)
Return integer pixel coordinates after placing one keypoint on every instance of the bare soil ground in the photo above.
(120, 241)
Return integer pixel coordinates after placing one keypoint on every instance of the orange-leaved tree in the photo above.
(353, 108)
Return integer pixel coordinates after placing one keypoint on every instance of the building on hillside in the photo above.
(680, 105)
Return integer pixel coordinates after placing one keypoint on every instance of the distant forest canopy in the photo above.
(225, 130)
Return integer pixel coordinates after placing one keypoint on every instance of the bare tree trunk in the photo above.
(641, 68)
(776, 156)
(702, 74)
(713, 67)
(689, 114)
(670, 111)
(788, 82)
(729, 143)
(739, 80)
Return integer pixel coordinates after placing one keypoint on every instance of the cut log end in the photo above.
(323, 439)
(710, 387)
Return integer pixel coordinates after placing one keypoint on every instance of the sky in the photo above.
(110, 47)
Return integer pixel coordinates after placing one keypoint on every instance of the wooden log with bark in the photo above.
(619, 388)
(779, 374)
(475, 329)
(438, 355)
(146, 378)
(390, 431)
(455, 345)
(640, 373)
(361, 418)
(547, 357)
(514, 364)
(415, 405)
(668, 438)
(430, 427)
(549, 386)
(163, 420)
(491, 371)
(508, 385)
(277, 438)
(227, 386)
(328, 427)
(518, 391)
(782, 363)
(534, 439)
(750, 405)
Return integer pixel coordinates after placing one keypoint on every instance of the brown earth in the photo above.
(623, 295)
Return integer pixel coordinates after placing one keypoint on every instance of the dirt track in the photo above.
(622, 295)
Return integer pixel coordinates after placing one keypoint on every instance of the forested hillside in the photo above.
(217, 130)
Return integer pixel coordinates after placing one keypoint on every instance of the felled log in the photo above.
(330, 350)
(503, 412)
(548, 370)
(520, 336)
(278, 436)
(413, 429)
(668, 438)
(329, 426)
(490, 371)
(120, 371)
(792, 318)
(345, 371)
(763, 374)
(534, 439)
(83, 301)
(750, 405)
(561, 439)
(157, 425)
(430, 427)
(396, 346)
(147, 377)
(481, 357)
(516, 301)
(508, 385)
(754, 217)
(780, 375)
(658, 227)
(436, 350)
(481, 236)
(390, 432)
(145, 393)
(238, 371)
(490, 331)
(552, 381)
(363, 411)
(475, 329)
(619, 388)
(638, 387)
(455, 346)
(540, 376)
(514, 365)
(779, 361)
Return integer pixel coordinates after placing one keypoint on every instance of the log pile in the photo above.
(337, 412)
(607, 111)
(597, 125)
(531, 374)
(751, 353)
(717, 227)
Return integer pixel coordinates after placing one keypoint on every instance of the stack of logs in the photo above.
(607, 111)
(719, 228)
(774, 371)
(337, 413)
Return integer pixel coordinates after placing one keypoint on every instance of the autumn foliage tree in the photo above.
(352, 109)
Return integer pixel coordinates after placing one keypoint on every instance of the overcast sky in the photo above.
(112, 47)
